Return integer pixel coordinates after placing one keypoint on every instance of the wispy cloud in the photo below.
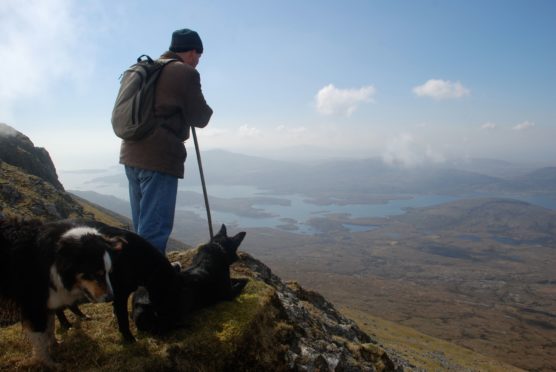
(291, 130)
(248, 131)
(40, 42)
(524, 126)
(406, 151)
(488, 126)
(441, 89)
(331, 100)
(248, 136)
(214, 132)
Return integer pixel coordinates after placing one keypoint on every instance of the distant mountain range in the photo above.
(355, 179)
(337, 178)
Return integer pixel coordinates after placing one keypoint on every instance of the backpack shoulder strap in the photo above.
(164, 61)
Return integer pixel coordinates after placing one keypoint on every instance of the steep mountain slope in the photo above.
(272, 326)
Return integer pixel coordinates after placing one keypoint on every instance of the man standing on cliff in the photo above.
(153, 164)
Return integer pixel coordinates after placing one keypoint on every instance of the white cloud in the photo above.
(524, 126)
(248, 131)
(488, 126)
(406, 151)
(40, 42)
(441, 89)
(331, 100)
(294, 130)
(213, 132)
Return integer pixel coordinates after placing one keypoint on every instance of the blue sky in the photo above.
(411, 81)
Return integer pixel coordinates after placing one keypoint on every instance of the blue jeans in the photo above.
(153, 202)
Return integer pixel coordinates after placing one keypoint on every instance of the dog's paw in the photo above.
(53, 345)
(128, 339)
(79, 319)
(80, 315)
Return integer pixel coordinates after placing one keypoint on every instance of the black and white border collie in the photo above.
(45, 267)
(139, 264)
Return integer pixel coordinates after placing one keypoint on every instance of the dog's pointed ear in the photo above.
(237, 239)
(117, 243)
(222, 231)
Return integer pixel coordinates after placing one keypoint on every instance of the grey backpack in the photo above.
(133, 114)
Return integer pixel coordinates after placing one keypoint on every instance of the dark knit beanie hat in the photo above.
(185, 40)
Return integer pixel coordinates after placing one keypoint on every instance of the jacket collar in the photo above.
(171, 55)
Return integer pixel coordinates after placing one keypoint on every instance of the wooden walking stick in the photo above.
(202, 181)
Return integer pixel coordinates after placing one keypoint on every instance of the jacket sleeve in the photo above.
(198, 113)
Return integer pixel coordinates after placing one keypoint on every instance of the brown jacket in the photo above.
(179, 100)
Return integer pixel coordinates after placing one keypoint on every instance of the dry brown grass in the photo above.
(429, 353)
(209, 343)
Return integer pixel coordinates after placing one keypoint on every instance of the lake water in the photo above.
(299, 211)
(292, 217)
(296, 215)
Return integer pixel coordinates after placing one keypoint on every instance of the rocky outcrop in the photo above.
(26, 195)
(18, 150)
(29, 185)
(313, 335)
